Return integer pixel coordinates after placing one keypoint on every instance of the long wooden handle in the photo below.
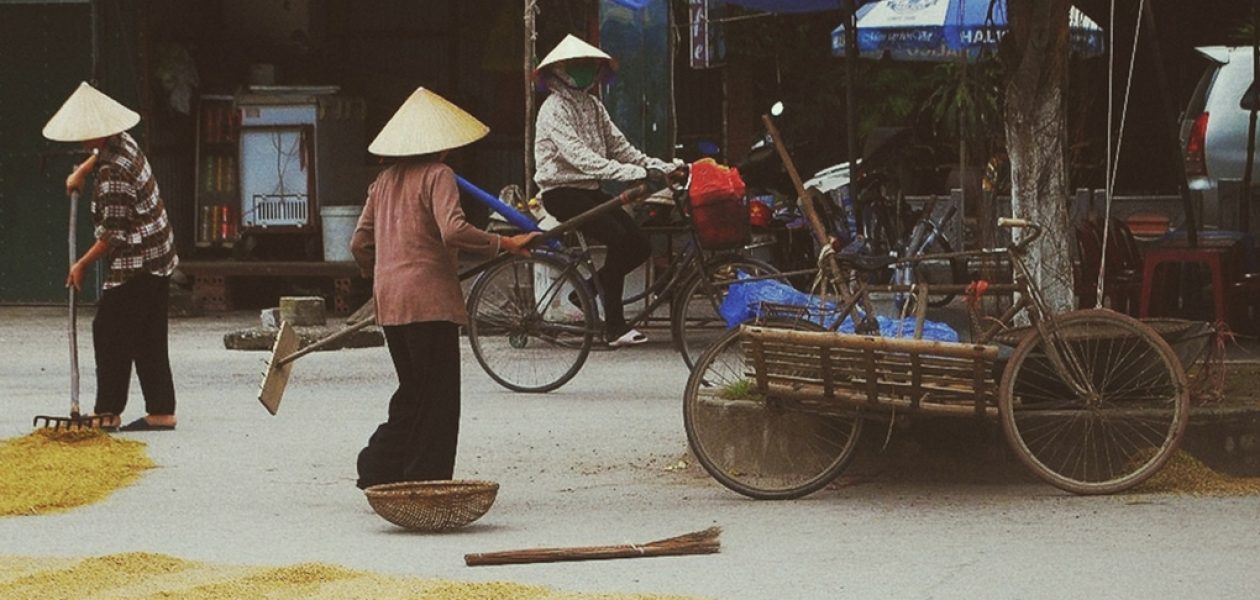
(696, 542)
(343, 332)
(73, 182)
(73, 328)
(542, 555)
(806, 201)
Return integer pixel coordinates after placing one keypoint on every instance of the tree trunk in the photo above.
(1035, 54)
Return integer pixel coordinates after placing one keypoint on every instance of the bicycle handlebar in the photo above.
(631, 195)
(1021, 224)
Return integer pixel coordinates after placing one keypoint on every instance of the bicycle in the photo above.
(1091, 401)
(866, 220)
(533, 320)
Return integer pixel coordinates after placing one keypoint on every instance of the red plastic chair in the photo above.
(1123, 284)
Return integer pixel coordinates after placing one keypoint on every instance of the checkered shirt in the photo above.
(129, 214)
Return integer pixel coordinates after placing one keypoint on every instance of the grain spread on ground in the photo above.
(51, 471)
(136, 576)
(1184, 474)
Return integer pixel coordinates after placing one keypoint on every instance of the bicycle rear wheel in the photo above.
(940, 271)
(1118, 433)
(531, 323)
(695, 322)
(764, 448)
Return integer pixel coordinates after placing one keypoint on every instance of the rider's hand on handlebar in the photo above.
(657, 178)
(518, 244)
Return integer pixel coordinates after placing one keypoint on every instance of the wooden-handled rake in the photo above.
(286, 350)
(76, 420)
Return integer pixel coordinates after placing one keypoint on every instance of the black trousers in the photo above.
(418, 441)
(628, 246)
(130, 328)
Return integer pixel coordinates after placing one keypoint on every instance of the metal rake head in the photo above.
(72, 422)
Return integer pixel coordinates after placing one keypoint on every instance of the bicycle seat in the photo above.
(865, 262)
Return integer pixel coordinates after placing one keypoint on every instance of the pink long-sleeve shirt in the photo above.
(408, 239)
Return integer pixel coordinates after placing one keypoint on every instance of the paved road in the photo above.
(586, 465)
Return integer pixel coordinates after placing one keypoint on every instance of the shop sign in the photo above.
(708, 48)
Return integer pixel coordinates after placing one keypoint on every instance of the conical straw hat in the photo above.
(570, 48)
(88, 115)
(427, 123)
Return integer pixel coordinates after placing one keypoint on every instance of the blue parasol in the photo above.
(940, 30)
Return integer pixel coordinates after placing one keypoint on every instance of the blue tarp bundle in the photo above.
(745, 302)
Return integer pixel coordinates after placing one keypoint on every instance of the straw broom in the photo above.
(697, 542)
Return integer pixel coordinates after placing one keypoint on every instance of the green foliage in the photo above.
(966, 101)
(792, 62)
(744, 389)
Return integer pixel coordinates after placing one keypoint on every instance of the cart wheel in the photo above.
(764, 448)
(1125, 424)
(695, 321)
(524, 330)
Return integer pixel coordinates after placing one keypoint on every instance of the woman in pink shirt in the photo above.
(407, 240)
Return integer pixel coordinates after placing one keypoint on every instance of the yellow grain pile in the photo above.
(53, 471)
(1184, 474)
(137, 576)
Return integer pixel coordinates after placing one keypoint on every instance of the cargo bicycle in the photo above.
(1092, 401)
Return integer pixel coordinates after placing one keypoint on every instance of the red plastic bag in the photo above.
(711, 181)
(718, 213)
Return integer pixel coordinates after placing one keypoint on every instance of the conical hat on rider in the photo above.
(572, 48)
(424, 124)
(89, 114)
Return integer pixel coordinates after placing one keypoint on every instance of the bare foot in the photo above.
(108, 421)
(160, 420)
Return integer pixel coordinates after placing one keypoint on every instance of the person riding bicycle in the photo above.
(576, 148)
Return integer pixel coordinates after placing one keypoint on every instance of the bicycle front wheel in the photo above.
(1111, 420)
(762, 447)
(531, 323)
(696, 322)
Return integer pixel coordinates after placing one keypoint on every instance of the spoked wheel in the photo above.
(940, 271)
(764, 448)
(1115, 429)
(696, 322)
(933, 272)
(531, 323)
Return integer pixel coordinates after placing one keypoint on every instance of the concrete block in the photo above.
(270, 317)
(304, 311)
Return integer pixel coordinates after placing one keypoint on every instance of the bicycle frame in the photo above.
(581, 262)
(1029, 300)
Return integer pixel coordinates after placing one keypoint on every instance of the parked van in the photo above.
(1214, 134)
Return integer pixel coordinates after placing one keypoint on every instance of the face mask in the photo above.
(582, 75)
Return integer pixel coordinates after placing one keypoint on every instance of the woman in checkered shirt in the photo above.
(135, 241)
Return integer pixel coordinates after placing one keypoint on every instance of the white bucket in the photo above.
(338, 225)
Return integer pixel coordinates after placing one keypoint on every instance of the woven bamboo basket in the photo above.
(432, 505)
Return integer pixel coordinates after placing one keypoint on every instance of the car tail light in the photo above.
(1196, 166)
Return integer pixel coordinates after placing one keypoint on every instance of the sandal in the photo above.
(143, 424)
(634, 337)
